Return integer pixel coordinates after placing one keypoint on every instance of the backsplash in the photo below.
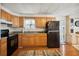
(11, 29)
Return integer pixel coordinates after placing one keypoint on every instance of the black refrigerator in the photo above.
(53, 36)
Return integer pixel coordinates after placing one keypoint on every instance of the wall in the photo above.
(76, 29)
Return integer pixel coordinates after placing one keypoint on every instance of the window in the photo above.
(29, 24)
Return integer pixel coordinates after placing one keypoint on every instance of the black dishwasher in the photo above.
(12, 44)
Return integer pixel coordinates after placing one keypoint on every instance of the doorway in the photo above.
(63, 31)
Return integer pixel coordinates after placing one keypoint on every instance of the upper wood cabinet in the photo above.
(0, 12)
(21, 21)
(9, 17)
(17, 21)
(3, 15)
(41, 21)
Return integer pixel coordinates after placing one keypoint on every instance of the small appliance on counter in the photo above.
(53, 37)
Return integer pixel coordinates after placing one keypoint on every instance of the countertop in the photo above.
(32, 31)
(77, 32)
(3, 38)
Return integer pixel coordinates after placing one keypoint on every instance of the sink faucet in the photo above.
(30, 26)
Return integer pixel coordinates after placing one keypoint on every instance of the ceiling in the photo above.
(42, 8)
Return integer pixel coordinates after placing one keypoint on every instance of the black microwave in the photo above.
(4, 33)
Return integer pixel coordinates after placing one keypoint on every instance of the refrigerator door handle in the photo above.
(54, 31)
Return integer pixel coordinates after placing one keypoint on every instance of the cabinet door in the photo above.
(37, 41)
(4, 50)
(43, 41)
(3, 13)
(15, 21)
(28, 41)
(19, 40)
(40, 22)
(0, 12)
(40, 41)
(8, 17)
(25, 42)
(3, 47)
(21, 21)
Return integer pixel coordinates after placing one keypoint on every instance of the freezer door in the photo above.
(53, 25)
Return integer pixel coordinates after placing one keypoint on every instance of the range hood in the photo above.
(6, 23)
(2, 21)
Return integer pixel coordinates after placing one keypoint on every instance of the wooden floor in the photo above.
(64, 50)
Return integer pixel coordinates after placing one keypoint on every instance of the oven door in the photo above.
(10, 45)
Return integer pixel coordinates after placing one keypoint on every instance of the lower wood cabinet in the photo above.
(26, 40)
(41, 41)
(3, 47)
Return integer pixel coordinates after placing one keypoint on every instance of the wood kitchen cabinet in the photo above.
(3, 47)
(15, 21)
(27, 40)
(0, 12)
(40, 22)
(19, 40)
(21, 21)
(9, 17)
(4, 15)
(41, 40)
